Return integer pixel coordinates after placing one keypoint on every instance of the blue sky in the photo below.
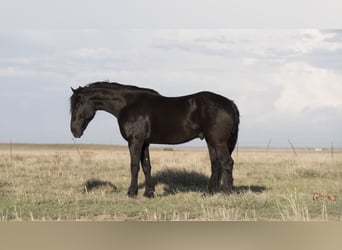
(286, 82)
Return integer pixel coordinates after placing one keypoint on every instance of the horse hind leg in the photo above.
(216, 169)
(222, 168)
(215, 178)
(228, 175)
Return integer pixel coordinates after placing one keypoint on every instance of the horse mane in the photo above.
(103, 84)
(106, 85)
(113, 85)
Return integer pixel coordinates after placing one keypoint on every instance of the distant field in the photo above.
(90, 182)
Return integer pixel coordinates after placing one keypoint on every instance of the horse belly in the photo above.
(172, 131)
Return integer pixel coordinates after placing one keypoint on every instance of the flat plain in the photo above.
(89, 182)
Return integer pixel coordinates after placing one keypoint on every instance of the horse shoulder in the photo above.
(134, 122)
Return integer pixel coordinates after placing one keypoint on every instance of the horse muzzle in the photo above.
(77, 133)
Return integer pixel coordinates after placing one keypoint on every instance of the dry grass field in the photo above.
(89, 182)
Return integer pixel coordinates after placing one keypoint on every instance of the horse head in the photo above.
(82, 112)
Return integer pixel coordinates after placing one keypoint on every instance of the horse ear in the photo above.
(73, 90)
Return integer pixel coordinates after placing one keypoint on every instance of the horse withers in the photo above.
(145, 117)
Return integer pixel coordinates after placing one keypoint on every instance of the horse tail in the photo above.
(235, 130)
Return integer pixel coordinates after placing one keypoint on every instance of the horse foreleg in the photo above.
(135, 150)
(146, 166)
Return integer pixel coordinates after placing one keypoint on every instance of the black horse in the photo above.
(146, 117)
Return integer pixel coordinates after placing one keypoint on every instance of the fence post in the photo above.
(268, 146)
(293, 148)
(11, 154)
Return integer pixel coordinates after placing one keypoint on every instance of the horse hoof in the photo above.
(149, 194)
(132, 194)
(206, 195)
(229, 190)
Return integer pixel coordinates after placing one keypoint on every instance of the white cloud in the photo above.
(309, 40)
(101, 53)
(17, 71)
(303, 86)
(247, 61)
(92, 53)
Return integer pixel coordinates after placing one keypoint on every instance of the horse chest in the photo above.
(137, 127)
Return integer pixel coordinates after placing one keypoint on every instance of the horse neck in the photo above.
(111, 101)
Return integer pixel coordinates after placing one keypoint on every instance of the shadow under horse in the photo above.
(181, 180)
